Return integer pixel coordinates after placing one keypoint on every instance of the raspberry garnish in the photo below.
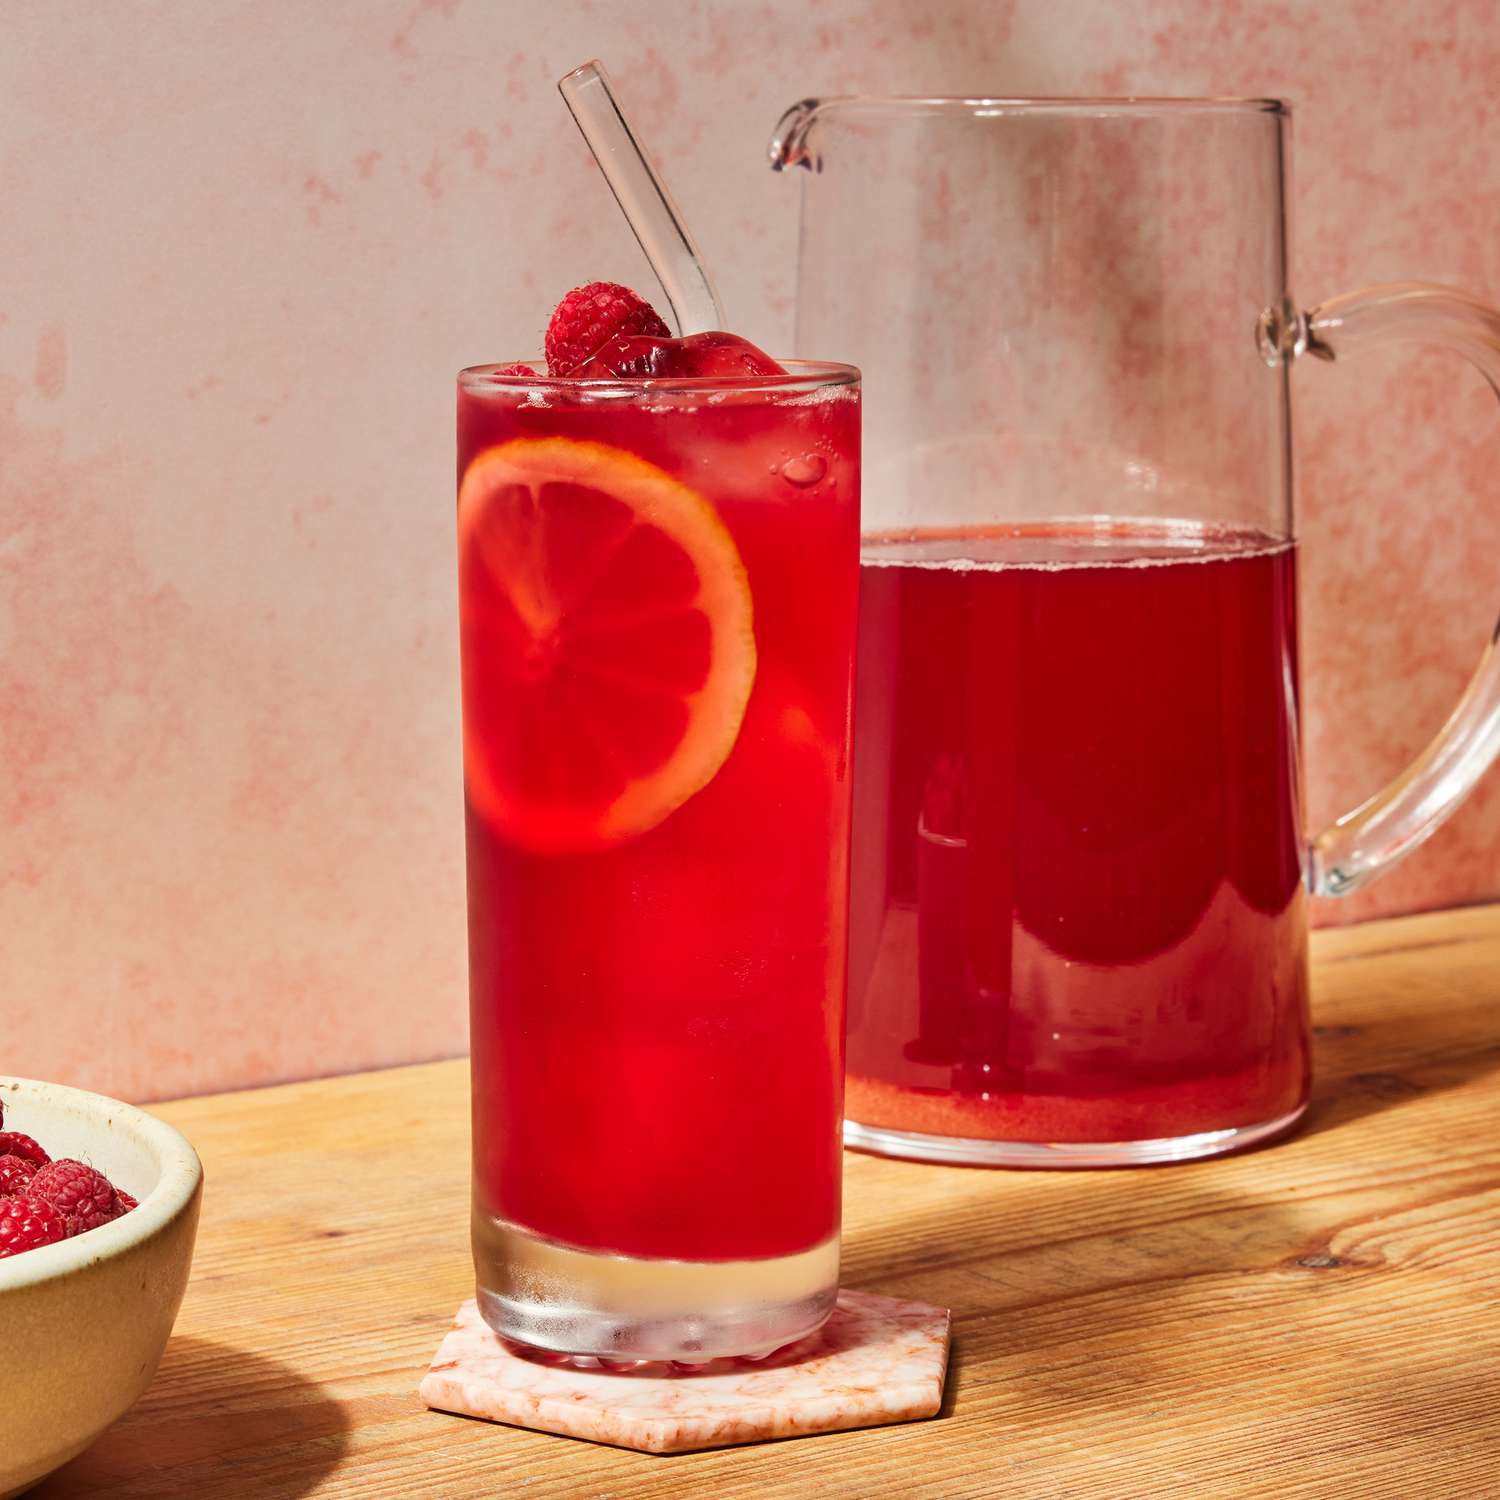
(15, 1173)
(590, 317)
(516, 370)
(85, 1198)
(126, 1201)
(26, 1223)
(13, 1143)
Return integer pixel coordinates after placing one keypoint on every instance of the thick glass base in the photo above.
(968, 1151)
(622, 1307)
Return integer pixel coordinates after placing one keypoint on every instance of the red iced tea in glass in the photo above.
(657, 586)
(1078, 906)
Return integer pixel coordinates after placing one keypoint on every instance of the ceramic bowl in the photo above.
(86, 1320)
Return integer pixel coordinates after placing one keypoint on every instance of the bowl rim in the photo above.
(181, 1174)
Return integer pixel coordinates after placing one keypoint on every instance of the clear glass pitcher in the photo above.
(1078, 932)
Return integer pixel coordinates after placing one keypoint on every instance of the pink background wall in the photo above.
(244, 248)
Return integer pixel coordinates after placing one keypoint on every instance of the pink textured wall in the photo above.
(243, 251)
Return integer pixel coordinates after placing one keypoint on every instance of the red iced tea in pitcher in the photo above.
(1077, 898)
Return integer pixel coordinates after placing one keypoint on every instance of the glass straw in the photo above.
(643, 198)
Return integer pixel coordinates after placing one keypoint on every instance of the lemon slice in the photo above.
(608, 642)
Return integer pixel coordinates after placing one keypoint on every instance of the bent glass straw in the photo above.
(643, 198)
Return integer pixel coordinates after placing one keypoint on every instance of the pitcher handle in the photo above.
(1364, 843)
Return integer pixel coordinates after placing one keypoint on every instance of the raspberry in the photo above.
(26, 1223)
(15, 1173)
(126, 1201)
(85, 1198)
(590, 317)
(13, 1143)
(516, 370)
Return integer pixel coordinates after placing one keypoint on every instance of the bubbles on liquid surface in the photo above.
(1063, 545)
(804, 471)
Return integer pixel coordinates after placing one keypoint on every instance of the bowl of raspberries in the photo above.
(98, 1214)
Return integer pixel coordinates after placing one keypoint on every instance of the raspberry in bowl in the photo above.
(98, 1215)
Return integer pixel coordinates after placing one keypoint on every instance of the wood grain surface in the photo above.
(1320, 1318)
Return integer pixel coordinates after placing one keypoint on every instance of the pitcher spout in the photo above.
(790, 146)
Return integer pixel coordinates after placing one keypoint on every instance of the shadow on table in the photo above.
(1365, 1064)
(216, 1422)
(1121, 1304)
(1075, 1296)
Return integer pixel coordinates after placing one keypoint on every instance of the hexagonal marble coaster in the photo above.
(876, 1360)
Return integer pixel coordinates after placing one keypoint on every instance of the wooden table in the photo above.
(1321, 1318)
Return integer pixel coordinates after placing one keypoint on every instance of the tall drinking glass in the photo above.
(1078, 933)
(657, 590)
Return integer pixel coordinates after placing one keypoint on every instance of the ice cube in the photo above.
(712, 355)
